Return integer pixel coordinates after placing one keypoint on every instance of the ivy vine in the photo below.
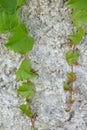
(20, 42)
(79, 18)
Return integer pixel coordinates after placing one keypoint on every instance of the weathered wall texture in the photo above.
(49, 23)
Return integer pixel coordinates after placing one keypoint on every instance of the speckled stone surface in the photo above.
(49, 23)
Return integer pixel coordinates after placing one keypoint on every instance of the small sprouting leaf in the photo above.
(7, 21)
(9, 6)
(67, 109)
(26, 109)
(71, 100)
(20, 2)
(69, 44)
(66, 86)
(72, 57)
(20, 41)
(34, 71)
(71, 76)
(76, 38)
(27, 90)
(24, 72)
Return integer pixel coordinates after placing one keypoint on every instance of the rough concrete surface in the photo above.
(49, 23)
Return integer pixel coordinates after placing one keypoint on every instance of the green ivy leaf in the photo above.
(71, 76)
(34, 129)
(77, 4)
(27, 90)
(76, 38)
(20, 2)
(79, 13)
(24, 72)
(66, 86)
(8, 21)
(9, 6)
(19, 40)
(79, 17)
(71, 57)
(26, 109)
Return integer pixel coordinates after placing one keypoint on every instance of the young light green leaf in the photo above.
(8, 21)
(26, 109)
(71, 57)
(77, 37)
(71, 76)
(9, 6)
(24, 72)
(20, 41)
(66, 86)
(20, 2)
(27, 90)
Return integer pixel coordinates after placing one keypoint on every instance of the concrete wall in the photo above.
(49, 22)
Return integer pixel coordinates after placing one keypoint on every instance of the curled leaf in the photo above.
(77, 37)
(66, 86)
(27, 90)
(26, 109)
(24, 71)
(72, 57)
(67, 109)
(71, 100)
(71, 76)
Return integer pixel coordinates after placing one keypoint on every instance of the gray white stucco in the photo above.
(49, 22)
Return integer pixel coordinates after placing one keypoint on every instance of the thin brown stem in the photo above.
(71, 90)
(73, 49)
(72, 83)
(33, 119)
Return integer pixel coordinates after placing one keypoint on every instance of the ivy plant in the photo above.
(79, 18)
(20, 42)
